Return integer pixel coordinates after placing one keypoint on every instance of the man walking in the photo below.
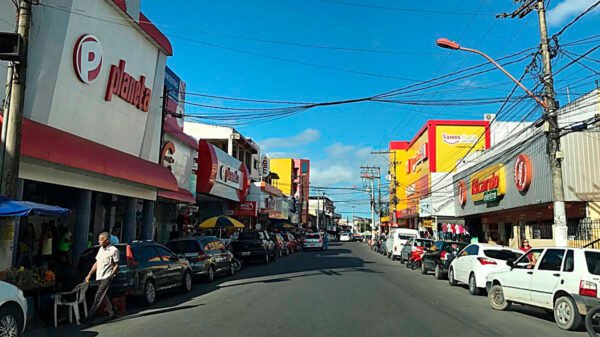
(105, 268)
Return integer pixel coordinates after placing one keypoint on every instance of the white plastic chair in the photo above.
(62, 299)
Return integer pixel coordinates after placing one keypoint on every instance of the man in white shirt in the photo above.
(105, 268)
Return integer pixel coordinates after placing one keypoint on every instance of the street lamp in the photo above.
(447, 44)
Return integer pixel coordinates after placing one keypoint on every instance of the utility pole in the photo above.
(301, 200)
(324, 216)
(392, 190)
(550, 116)
(318, 209)
(14, 116)
(368, 172)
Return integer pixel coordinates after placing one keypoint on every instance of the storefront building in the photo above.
(506, 194)
(273, 206)
(92, 118)
(420, 168)
(223, 182)
(292, 177)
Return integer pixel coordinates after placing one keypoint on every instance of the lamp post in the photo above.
(553, 134)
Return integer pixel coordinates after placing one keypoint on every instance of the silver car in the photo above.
(411, 246)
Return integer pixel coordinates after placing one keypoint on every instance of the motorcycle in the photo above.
(416, 258)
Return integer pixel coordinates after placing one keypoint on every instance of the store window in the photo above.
(540, 229)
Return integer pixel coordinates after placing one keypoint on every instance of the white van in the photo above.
(397, 239)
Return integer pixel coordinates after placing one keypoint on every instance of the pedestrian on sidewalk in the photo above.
(525, 247)
(105, 268)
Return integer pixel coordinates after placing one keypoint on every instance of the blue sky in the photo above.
(339, 139)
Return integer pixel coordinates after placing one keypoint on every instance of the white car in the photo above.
(559, 279)
(474, 263)
(313, 241)
(398, 239)
(345, 237)
(13, 310)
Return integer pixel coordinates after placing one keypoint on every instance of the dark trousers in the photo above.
(102, 297)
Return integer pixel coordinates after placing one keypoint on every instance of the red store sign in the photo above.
(523, 172)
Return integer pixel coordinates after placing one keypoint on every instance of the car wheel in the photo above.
(11, 321)
(423, 269)
(473, 285)
(149, 293)
(496, 298)
(211, 274)
(186, 284)
(566, 314)
(451, 279)
(438, 272)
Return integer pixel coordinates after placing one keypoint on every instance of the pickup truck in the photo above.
(254, 245)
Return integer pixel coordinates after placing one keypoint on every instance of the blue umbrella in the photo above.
(9, 208)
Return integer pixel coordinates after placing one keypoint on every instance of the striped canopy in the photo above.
(221, 222)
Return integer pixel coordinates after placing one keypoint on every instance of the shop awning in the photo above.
(182, 195)
(10, 208)
(46, 143)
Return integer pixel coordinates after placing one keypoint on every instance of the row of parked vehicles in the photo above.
(147, 268)
(563, 281)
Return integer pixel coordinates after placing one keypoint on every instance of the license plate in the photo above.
(245, 253)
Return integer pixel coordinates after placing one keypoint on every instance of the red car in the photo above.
(281, 247)
(292, 243)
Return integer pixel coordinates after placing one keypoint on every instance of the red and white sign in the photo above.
(87, 58)
(133, 91)
(523, 172)
(417, 159)
(229, 176)
(166, 155)
(462, 193)
(247, 208)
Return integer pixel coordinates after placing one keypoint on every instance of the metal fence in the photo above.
(585, 232)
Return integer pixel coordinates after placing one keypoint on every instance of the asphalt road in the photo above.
(345, 291)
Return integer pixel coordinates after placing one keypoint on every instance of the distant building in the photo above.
(292, 177)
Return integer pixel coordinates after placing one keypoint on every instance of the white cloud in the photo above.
(305, 137)
(341, 165)
(567, 9)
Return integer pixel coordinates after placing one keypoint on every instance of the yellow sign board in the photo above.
(489, 184)
(453, 142)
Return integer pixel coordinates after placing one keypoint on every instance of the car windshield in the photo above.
(592, 260)
(504, 254)
(249, 236)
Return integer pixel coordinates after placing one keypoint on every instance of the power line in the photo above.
(411, 10)
(577, 18)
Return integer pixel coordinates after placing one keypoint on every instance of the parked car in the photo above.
(345, 237)
(300, 239)
(291, 242)
(411, 246)
(397, 239)
(439, 256)
(145, 268)
(313, 241)
(474, 263)
(564, 280)
(357, 237)
(13, 310)
(207, 256)
(281, 247)
(255, 245)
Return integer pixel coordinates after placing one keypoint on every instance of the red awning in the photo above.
(182, 195)
(40, 141)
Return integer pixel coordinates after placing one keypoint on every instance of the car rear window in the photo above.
(183, 247)
(504, 255)
(313, 236)
(405, 236)
(593, 262)
(424, 243)
(459, 246)
(248, 236)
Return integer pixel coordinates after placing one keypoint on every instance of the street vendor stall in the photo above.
(35, 281)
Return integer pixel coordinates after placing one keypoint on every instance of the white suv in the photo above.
(564, 280)
(13, 310)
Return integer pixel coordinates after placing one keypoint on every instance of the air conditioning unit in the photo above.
(489, 117)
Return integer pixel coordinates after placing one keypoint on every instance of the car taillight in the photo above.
(443, 255)
(201, 257)
(588, 288)
(484, 261)
(131, 262)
